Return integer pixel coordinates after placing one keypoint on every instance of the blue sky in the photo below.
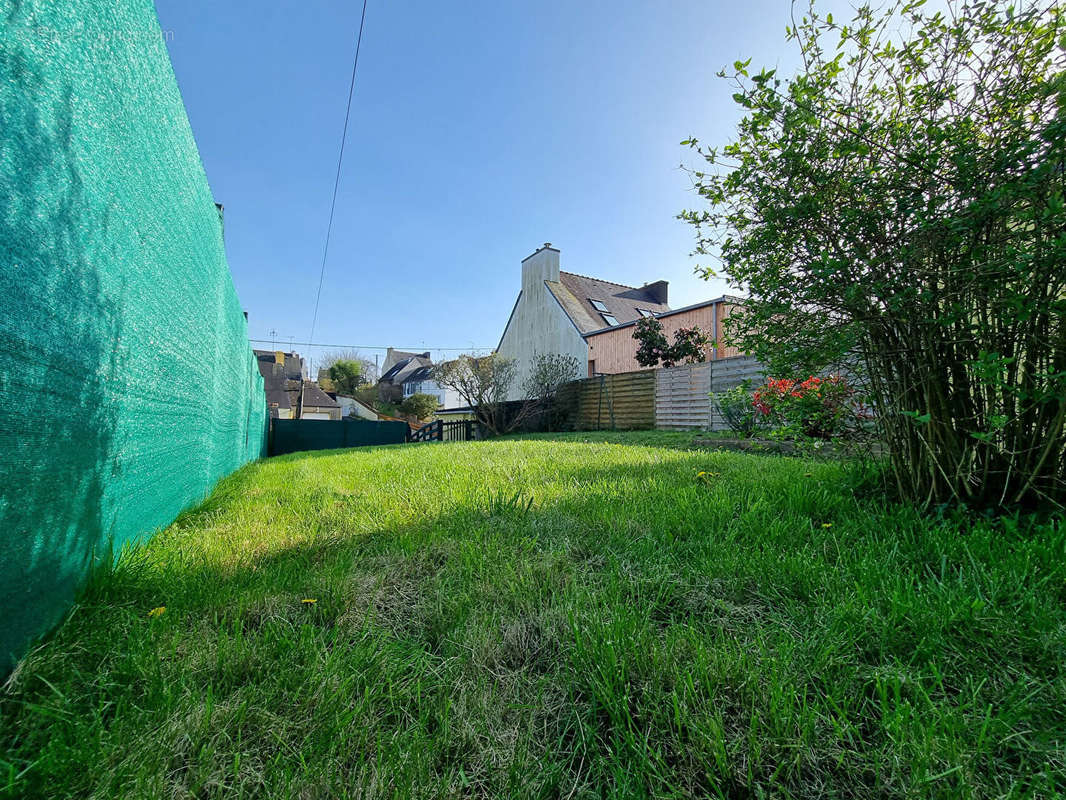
(479, 131)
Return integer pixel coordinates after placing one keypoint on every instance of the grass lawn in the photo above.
(541, 618)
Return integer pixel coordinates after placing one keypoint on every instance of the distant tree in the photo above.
(346, 376)
(419, 405)
(367, 368)
(368, 395)
(483, 382)
(689, 346)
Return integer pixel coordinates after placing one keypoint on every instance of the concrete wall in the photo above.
(538, 324)
(615, 350)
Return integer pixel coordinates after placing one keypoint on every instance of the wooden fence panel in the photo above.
(677, 398)
(625, 401)
(729, 373)
(681, 401)
(682, 394)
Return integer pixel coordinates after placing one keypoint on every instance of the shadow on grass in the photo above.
(642, 631)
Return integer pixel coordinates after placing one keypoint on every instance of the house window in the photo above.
(596, 304)
(609, 319)
(645, 312)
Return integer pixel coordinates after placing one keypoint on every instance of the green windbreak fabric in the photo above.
(127, 385)
(297, 435)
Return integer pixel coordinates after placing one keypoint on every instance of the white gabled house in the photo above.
(556, 310)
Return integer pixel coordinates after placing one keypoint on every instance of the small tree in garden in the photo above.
(738, 409)
(899, 206)
(483, 382)
(419, 405)
(689, 346)
(547, 374)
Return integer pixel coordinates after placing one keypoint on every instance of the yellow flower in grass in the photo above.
(309, 601)
(827, 524)
(157, 612)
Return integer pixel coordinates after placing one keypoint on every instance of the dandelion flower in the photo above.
(309, 601)
(700, 474)
(156, 612)
(827, 524)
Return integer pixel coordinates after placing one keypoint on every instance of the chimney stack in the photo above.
(657, 291)
(542, 266)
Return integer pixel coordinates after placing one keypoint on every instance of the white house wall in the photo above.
(538, 324)
(447, 397)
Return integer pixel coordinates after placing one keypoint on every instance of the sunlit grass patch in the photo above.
(553, 618)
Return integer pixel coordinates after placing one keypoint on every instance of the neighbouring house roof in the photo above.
(576, 294)
(267, 362)
(314, 396)
(400, 371)
(726, 298)
(277, 398)
(401, 355)
(420, 374)
(394, 357)
(281, 392)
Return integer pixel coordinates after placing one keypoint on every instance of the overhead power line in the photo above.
(337, 180)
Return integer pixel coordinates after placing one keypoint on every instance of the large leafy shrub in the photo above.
(898, 207)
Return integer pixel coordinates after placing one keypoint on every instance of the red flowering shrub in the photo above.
(817, 407)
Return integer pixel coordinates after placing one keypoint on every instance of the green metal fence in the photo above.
(127, 386)
(294, 435)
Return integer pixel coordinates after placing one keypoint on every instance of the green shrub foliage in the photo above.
(419, 405)
(347, 375)
(689, 346)
(898, 207)
(738, 409)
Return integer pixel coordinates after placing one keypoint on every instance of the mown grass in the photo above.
(538, 618)
(674, 439)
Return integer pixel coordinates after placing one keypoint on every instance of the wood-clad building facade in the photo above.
(614, 350)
